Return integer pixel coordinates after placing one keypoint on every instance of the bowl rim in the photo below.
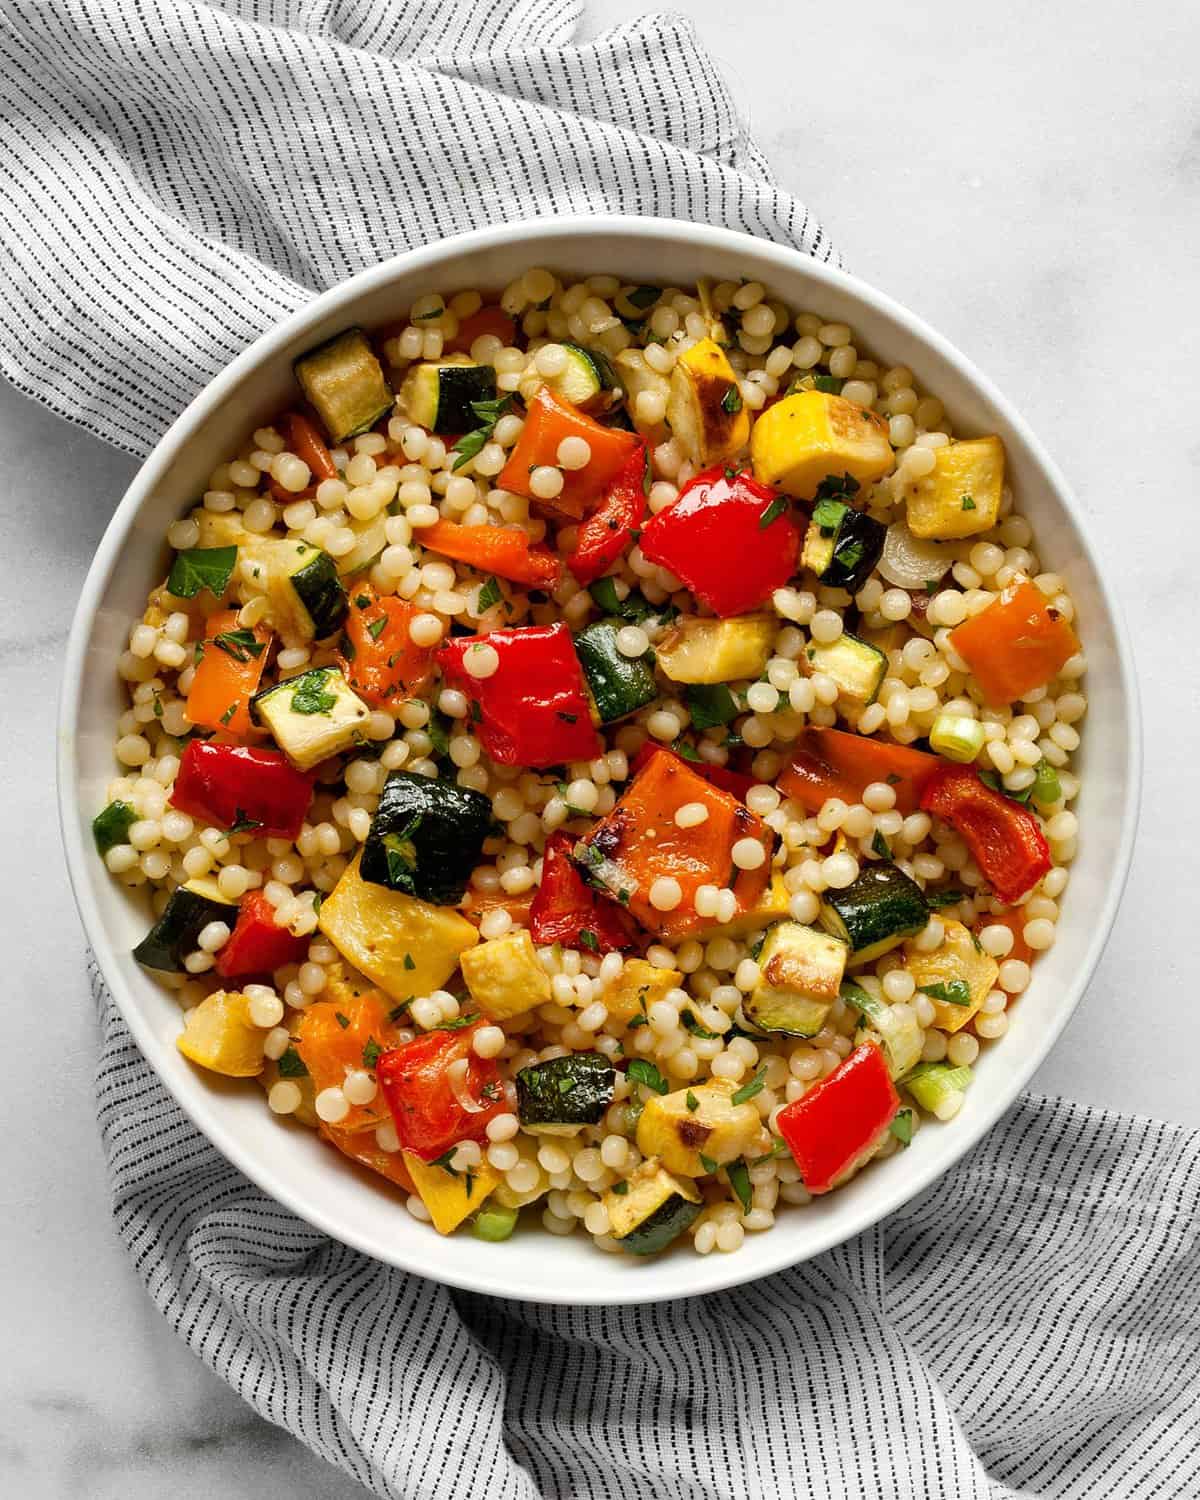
(715, 1273)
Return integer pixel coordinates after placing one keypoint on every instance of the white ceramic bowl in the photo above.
(289, 1163)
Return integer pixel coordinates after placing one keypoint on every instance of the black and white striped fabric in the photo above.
(175, 177)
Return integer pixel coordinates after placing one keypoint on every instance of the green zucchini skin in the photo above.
(426, 837)
(857, 547)
(440, 395)
(619, 685)
(320, 591)
(666, 1223)
(571, 1090)
(345, 384)
(187, 913)
(875, 912)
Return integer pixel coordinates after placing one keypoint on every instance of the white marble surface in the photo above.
(1027, 177)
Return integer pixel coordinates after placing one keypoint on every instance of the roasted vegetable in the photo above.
(227, 674)
(189, 909)
(655, 1208)
(841, 1121)
(619, 684)
(962, 495)
(565, 1091)
(832, 763)
(313, 716)
(549, 420)
(406, 946)
(705, 409)
(957, 976)
(219, 1035)
(637, 987)
(706, 651)
(337, 1037)
(450, 1195)
(242, 787)
(505, 551)
(1006, 840)
(344, 383)
(842, 545)
(426, 837)
(857, 668)
(878, 910)
(377, 654)
(565, 909)
(439, 395)
(1015, 645)
(258, 944)
(604, 535)
(891, 1027)
(696, 1129)
(504, 976)
(801, 970)
(812, 436)
(440, 1092)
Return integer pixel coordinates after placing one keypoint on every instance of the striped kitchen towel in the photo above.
(177, 176)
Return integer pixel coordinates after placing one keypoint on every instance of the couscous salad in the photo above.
(605, 753)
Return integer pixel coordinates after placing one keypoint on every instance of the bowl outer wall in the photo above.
(290, 1164)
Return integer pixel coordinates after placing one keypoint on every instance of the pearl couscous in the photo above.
(605, 753)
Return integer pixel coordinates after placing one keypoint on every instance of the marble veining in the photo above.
(1028, 179)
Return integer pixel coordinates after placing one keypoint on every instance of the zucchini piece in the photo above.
(700, 1121)
(842, 545)
(571, 1091)
(426, 837)
(406, 946)
(702, 650)
(619, 684)
(587, 380)
(856, 667)
(301, 584)
(801, 971)
(189, 910)
(655, 1208)
(311, 717)
(896, 1031)
(344, 384)
(439, 395)
(875, 912)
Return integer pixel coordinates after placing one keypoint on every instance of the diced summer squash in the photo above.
(772, 906)
(586, 380)
(962, 495)
(313, 716)
(220, 1036)
(957, 976)
(344, 383)
(335, 1038)
(700, 650)
(1018, 643)
(304, 590)
(700, 1121)
(857, 668)
(842, 545)
(655, 1208)
(839, 1124)
(504, 976)
(705, 410)
(800, 975)
(362, 1147)
(406, 946)
(450, 1195)
(805, 438)
(637, 376)
(637, 987)
(640, 855)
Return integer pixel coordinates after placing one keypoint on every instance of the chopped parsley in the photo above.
(243, 824)
(488, 413)
(690, 1024)
(731, 401)
(827, 516)
(902, 1127)
(489, 594)
(409, 963)
(376, 628)
(707, 1163)
(953, 991)
(438, 730)
(199, 568)
(620, 1188)
(691, 1101)
(371, 1053)
(309, 695)
(642, 1071)
(749, 1090)
(777, 508)
(589, 940)
(879, 845)
(111, 826)
(936, 900)
(291, 1065)
(458, 1023)
(401, 854)
(343, 1021)
(710, 704)
(968, 502)
(240, 644)
(739, 1180)
(990, 778)
(566, 717)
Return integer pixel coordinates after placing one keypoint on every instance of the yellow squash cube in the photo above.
(450, 1196)
(962, 495)
(220, 1036)
(505, 977)
(807, 437)
(408, 947)
(637, 987)
(703, 650)
(955, 964)
(705, 410)
(773, 906)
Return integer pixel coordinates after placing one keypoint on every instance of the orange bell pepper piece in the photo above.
(550, 419)
(832, 763)
(306, 442)
(378, 656)
(1016, 644)
(505, 551)
(361, 1146)
(227, 675)
(336, 1037)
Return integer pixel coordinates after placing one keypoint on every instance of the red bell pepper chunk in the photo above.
(533, 710)
(608, 531)
(733, 782)
(548, 420)
(833, 1129)
(730, 539)
(239, 784)
(503, 550)
(1005, 839)
(258, 944)
(832, 763)
(565, 907)
(436, 1101)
